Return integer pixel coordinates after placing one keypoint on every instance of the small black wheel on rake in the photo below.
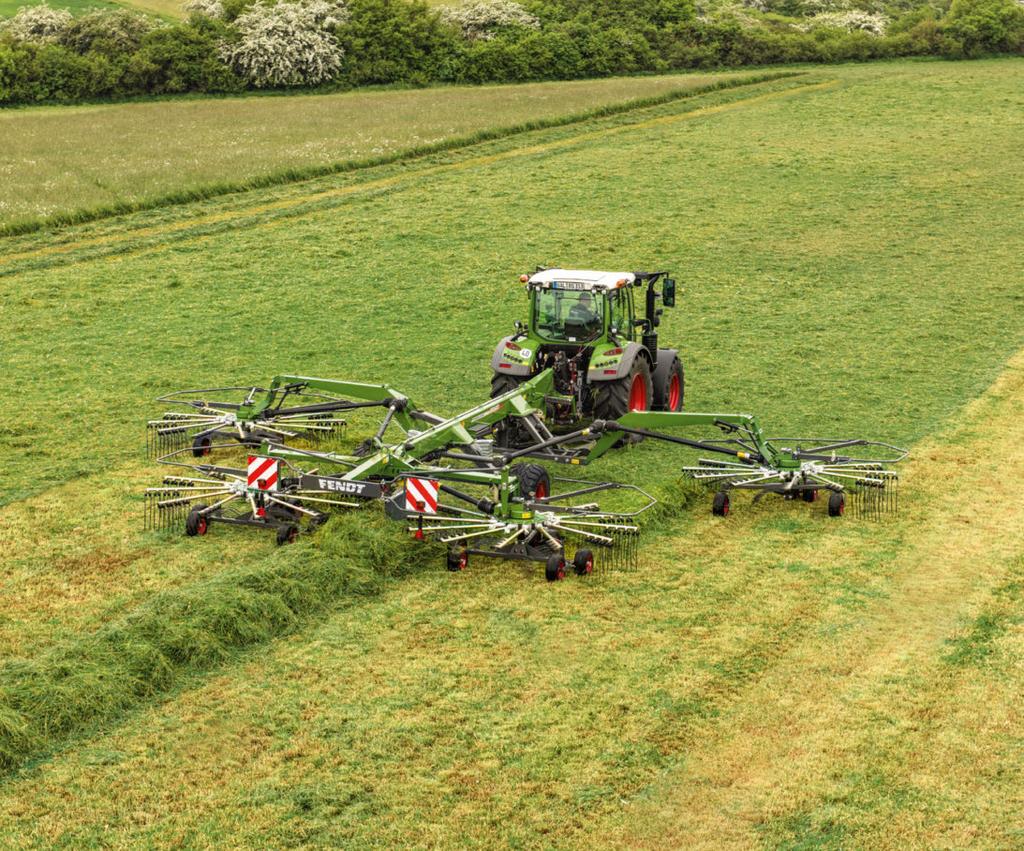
(583, 562)
(810, 495)
(720, 504)
(287, 534)
(555, 567)
(836, 504)
(202, 445)
(196, 522)
(458, 560)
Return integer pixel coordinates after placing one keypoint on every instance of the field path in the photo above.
(812, 718)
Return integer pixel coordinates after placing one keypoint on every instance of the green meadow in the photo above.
(847, 244)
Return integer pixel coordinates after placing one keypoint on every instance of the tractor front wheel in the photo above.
(534, 481)
(633, 392)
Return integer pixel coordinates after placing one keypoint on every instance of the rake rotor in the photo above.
(200, 419)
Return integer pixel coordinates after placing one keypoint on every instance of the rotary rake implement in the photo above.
(448, 480)
(200, 419)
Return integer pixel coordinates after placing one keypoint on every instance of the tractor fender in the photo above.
(601, 366)
(507, 361)
(658, 378)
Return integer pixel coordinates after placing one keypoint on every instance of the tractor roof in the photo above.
(581, 279)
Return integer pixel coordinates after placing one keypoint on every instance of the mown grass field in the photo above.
(849, 246)
(63, 160)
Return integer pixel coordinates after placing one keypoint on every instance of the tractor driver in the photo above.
(583, 314)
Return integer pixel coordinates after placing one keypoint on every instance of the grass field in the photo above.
(58, 160)
(849, 247)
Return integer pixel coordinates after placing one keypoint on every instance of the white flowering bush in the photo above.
(852, 20)
(289, 44)
(479, 21)
(38, 24)
(205, 8)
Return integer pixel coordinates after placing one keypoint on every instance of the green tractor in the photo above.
(585, 327)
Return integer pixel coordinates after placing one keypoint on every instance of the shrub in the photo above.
(986, 26)
(852, 20)
(286, 45)
(393, 41)
(485, 18)
(182, 58)
(38, 24)
(110, 32)
(206, 9)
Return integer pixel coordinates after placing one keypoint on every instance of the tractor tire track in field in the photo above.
(124, 241)
(774, 767)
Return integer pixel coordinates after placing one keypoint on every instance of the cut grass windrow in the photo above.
(83, 681)
(277, 177)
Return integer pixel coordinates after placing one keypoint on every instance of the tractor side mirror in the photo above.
(668, 292)
(518, 326)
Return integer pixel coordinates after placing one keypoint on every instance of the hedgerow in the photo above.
(233, 45)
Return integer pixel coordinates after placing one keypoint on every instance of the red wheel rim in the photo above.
(842, 506)
(201, 525)
(673, 393)
(561, 570)
(588, 567)
(463, 560)
(638, 393)
(542, 491)
(725, 508)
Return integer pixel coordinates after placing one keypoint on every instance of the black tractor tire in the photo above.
(720, 504)
(458, 560)
(554, 569)
(583, 562)
(836, 504)
(534, 481)
(809, 495)
(196, 523)
(287, 534)
(668, 397)
(201, 445)
(612, 399)
(506, 435)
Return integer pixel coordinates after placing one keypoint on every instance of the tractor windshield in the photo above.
(570, 316)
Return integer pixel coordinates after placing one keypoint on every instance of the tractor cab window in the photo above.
(571, 316)
(622, 318)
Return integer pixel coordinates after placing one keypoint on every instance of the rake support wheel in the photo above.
(836, 504)
(287, 534)
(583, 562)
(554, 569)
(457, 560)
(720, 504)
(196, 522)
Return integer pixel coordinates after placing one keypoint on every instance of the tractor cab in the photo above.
(585, 327)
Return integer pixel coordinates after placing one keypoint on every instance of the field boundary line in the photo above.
(394, 180)
(215, 189)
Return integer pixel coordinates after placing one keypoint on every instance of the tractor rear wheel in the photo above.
(534, 481)
(632, 392)
(554, 569)
(669, 396)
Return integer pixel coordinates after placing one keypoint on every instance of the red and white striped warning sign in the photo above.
(262, 473)
(421, 495)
